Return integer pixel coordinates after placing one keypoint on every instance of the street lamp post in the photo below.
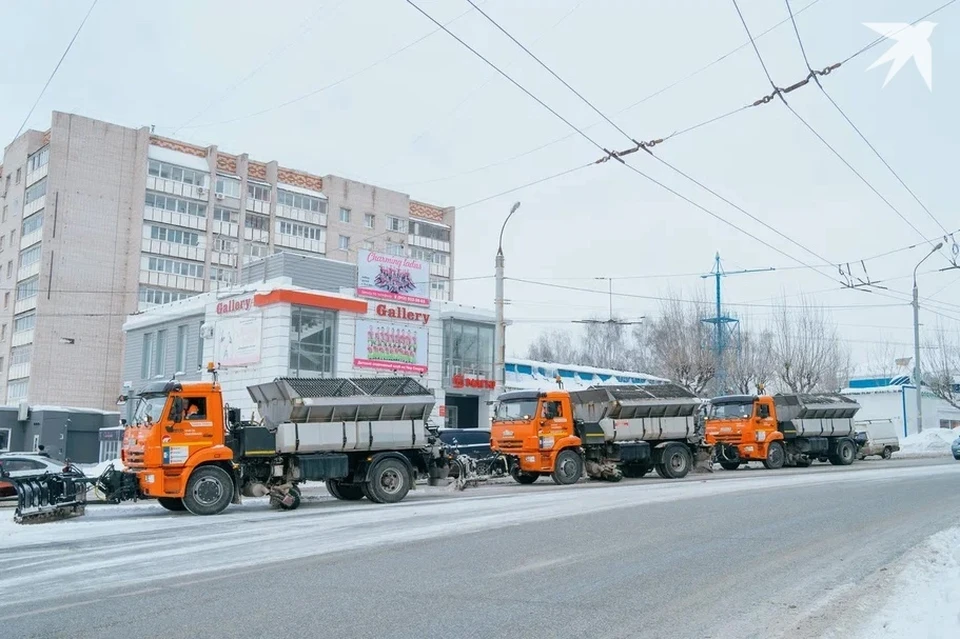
(917, 376)
(499, 371)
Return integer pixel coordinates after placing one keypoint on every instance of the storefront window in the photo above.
(467, 349)
(312, 342)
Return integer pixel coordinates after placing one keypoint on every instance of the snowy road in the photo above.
(733, 555)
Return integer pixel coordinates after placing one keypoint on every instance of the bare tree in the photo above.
(554, 346)
(886, 359)
(942, 375)
(807, 351)
(751, 364)
(678, 344)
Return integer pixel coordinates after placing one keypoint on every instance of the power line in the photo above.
(56, 68)
(823, 89)
(893, 33)
(523, 186)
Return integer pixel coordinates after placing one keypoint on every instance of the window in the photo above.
(344, 215)
(258, 222)
(2, 369)
(196, 408)
(34, 191)
(17, 181)
(368, 245)
(225, 215)
(17, 390)
(176, 173)
(224, 244)
(301, 230)
(176, 236)
(302, 202)
(312, 341)
(20, 354)
(344, 242)
(13, 236)
(200, 347)
(28, 288)
(369, 220)
(4, 213)
(5, 441)
(439, 289)
(161, 296)
(30, 256)
(6, 300)
(396, 224)
(170, 203)
(259, 192)
(3, 331)
(467, 349)
(229, 187)
(38, 159)
(3, 241)
(24, 322)
(32, 223)
(425, 255)
(255, 249)
(167, 265)
(161, 354)
(220, 274)
(181, 349)
(146, 355)
(9, 268)
(431, 231)
(394, 249)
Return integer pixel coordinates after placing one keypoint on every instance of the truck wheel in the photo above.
(726, 465)
(389, 482)
(887, 452)
(567, 469)
(660, 472)
(775, 456)
(523, 478)
(846, 453)
(675, 461)
(173, 504)
(344, 492)
(209, 491)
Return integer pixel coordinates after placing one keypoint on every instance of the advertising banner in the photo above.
(237, 340)
(393, 277)
(390, 346)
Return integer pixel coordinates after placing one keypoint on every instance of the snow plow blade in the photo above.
(49, 497)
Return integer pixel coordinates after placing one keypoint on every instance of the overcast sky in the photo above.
(428, 119)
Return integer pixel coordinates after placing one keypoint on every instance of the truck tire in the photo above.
(523, 478)
(775, 456)
(675, 462)
(887, 452)
(209, 491)
(568, 468)
(846, 453)
(344, 492)
(727, 465)
(389, 483)
(173, 504)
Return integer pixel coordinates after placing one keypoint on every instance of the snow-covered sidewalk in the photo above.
(924, 601)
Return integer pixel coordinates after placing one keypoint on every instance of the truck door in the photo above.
(766, 421)
(193, 432)
(553, 422)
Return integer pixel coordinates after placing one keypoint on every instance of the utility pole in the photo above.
(720, 320)
(917, 371)
(499, 372)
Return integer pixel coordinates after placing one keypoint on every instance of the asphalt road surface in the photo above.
(744, 554)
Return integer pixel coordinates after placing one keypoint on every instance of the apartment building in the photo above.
(100, 221)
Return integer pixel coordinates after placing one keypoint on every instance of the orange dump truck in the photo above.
(606, 430)
(782, 430)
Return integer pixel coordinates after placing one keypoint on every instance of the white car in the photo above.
(29, 465)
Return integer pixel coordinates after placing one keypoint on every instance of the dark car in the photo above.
(473, 442)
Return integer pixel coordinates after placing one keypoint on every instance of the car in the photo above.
(877, 438)
(955, 448)
(473, 442)
(29, 465)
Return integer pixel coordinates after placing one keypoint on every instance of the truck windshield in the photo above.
(149, 409)
(731, 411)
(519, 409)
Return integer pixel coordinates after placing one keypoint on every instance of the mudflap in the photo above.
(49, 497)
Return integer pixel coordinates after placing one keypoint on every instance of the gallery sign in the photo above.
(393, 278)
(390, 346)
(234, 305)
(401, 313)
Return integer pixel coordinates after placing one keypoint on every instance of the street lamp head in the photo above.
(516, 205)
(935, 248)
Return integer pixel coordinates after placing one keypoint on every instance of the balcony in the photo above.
(169, 280)
(22, 337)
(172, 217)
(172, 249)
(308, 217)
(428, 243)
(256, 235)
(28, 271)
(22, 306)
(226, 228)
(301, 243)
(223, 259)
(36, 176)
(31, 238)
(17, 371)
(440, 270)
(258, 206)
(33, 207)
(172, 187)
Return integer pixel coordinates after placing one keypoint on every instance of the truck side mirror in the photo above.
(177, 410)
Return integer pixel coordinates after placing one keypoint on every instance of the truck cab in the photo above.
(534, 428)
(741, 428)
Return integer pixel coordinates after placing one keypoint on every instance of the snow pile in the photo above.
(929, 443)
(925, 599)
